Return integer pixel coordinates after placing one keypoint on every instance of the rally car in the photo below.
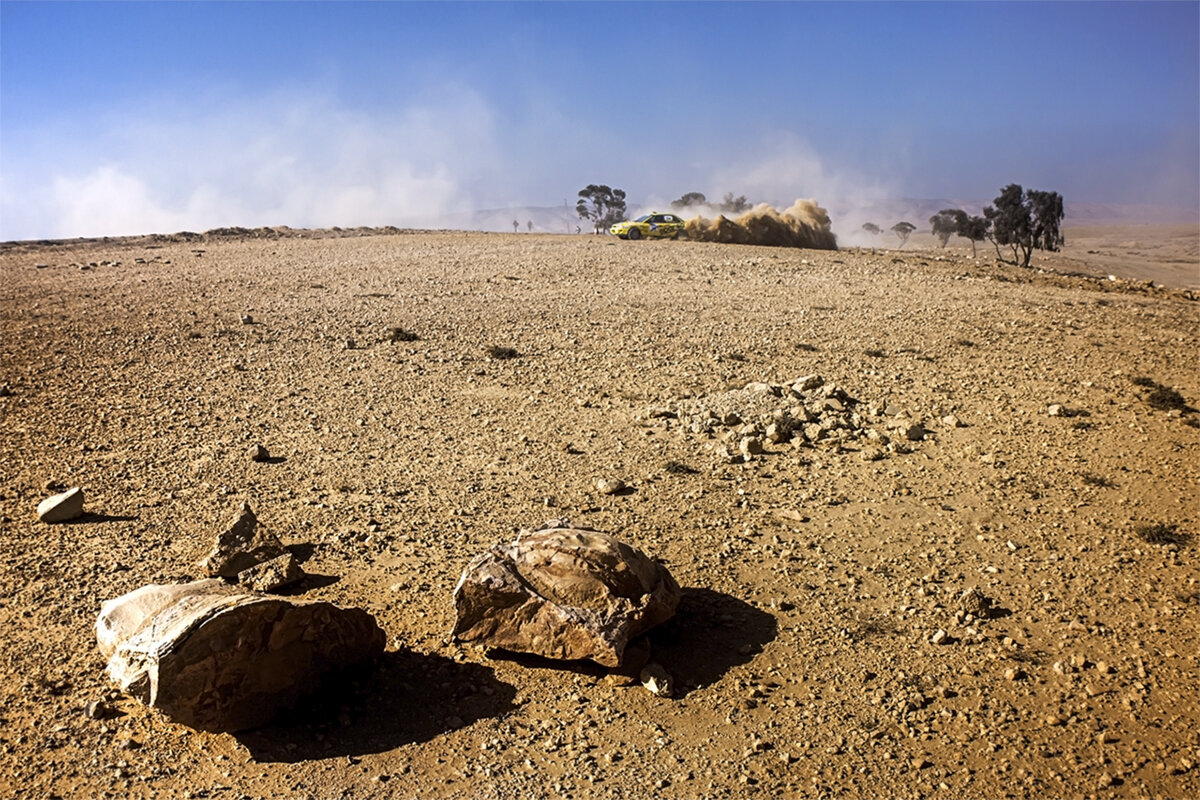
(651, 226)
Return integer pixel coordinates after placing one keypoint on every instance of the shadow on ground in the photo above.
(411, 697)
(711, 633)
(92, 518)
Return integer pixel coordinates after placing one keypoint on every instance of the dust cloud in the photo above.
(805, 224)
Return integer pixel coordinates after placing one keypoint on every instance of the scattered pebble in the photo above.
(610, 485)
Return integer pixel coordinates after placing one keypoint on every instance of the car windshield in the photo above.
(642, 218)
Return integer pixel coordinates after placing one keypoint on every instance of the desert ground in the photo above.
(819, 649)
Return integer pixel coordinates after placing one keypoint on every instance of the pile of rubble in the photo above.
(807, 412)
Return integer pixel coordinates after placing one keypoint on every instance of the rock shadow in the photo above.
(302, 552)
(711, 633)
(91, 518)
(310, 581)
(530, 661)
(410, 697)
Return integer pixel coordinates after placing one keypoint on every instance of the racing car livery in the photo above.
(651, 226)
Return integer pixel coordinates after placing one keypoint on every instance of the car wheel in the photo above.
(635, 233)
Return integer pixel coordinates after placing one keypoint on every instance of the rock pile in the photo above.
(564, 593)
(217, 658)
(805, 412)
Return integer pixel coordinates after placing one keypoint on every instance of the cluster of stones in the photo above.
(805, 412)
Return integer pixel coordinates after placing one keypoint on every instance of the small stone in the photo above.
(1014, 674)
(777, 434)
(98, 709)
(657, 680)
(258, 453)
(610, 485)
(915, 433)
(975, 602)
(808, 383)
(62, 507)
(5, 390)
(246, 319)
(1055, 410)
(951, 421)
(940, 637)
(751, 446)
(272, 574)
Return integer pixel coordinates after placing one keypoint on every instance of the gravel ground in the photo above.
(424, 395)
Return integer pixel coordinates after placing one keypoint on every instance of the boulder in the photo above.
(217, 658)
(251, 555)
(62, 507)
(564, 593)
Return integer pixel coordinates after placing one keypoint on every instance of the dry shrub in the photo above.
(805, 224)
(1162, 533)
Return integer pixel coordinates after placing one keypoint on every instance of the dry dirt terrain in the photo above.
(819, 650)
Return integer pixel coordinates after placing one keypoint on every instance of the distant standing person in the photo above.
(529, 226)
(516, 226)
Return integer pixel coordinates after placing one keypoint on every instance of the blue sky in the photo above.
(120, 118)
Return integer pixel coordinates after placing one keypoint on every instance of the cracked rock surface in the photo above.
(563, 593)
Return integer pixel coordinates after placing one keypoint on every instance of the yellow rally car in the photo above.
(651, 226)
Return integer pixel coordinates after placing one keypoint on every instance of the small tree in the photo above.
(1024, 220)
(973, 228)
(872, 228)
(1047, 212)
(903, 230)
(945, 224)
(603, 206)
(688, 200)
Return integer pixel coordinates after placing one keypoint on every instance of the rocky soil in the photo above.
(393, 404)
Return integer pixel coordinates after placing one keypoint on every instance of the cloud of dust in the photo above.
(292, 158)
(805, 224)
(778, 164)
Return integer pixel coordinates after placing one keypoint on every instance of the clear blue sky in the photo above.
(123, 118)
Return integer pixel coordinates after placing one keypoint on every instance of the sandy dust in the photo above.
(804, 224)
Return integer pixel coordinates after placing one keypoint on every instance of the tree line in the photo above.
(1022, 220)
(604, 206)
